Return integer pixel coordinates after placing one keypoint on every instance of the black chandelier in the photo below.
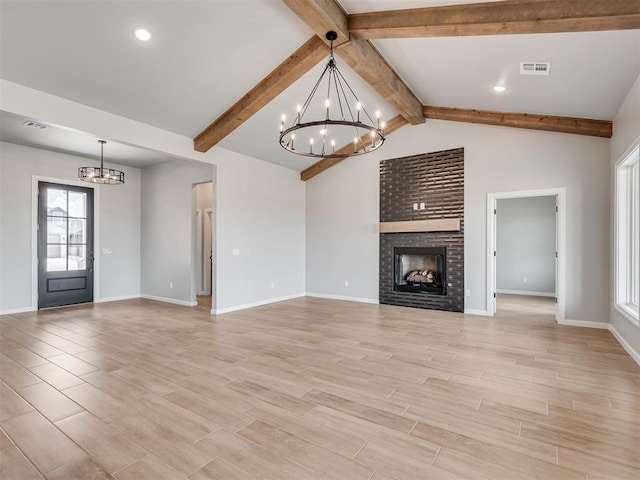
(101, 174)
(356, 132)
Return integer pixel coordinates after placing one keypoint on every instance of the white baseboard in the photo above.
(630, 350)
(470, 311)
(12, 311)
(582, 323)
(529, 294)
(341, 297)
(605, 326)
(219, 311)
(184, 303)
(99, 300)
(117, 299)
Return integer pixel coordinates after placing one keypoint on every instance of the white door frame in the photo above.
(561, 235)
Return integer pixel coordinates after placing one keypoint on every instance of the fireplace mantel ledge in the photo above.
(437, 225)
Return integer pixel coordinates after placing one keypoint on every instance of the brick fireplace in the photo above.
(422, 231)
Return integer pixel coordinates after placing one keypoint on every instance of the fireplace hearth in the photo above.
(420, 269)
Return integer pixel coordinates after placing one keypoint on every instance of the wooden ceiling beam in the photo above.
(294, 67)
(322, 16)
(360, 55)
(367, 62)
(497, 18)
(391, 126)
(549, 123)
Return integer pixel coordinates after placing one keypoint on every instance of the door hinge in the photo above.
(494, 294)
(556, 209)
(495, 211)
(494, 253)
(556, 254)
(556, 299)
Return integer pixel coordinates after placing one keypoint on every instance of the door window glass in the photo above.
(66, 230)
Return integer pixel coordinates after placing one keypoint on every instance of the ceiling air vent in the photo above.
(40, 126)
(535, 68)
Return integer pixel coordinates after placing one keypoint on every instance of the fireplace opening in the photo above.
(420, 269)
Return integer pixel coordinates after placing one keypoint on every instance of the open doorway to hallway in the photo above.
(526, 255)
(203, 205)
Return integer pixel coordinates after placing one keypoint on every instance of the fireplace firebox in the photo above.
(420, 269)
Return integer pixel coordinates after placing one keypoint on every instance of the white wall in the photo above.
(626, 131)
(526, 245)
(168, 217)
(343, 211)
(259, 207)
(259, 211)
(342, 207)
(117, 221)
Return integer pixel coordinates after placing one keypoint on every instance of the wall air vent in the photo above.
(37, 125)
(535, 68)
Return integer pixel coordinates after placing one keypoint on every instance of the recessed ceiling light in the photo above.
(142, 34)
(499, 88)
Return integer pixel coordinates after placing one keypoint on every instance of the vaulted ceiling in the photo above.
(207, 56)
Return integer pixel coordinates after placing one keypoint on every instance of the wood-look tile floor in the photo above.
(313, 389)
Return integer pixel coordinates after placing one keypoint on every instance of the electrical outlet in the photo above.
(467, 293)
(170, 284)
(524, 279)
(346, 283)
(107, 251)
(273, 285)
(235, 252)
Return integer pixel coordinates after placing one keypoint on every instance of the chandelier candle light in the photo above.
(101, 174)
(351, 125)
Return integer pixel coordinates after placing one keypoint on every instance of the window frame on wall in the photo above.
(626, 239)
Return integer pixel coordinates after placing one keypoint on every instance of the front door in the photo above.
(65, 245)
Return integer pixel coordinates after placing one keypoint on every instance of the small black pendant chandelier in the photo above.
(100, 174)
(352, 128)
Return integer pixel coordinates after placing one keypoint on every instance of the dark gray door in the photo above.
(65, 245)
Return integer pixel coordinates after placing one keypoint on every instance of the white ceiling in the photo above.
(591, 72)
(206, 54)
(73, 142)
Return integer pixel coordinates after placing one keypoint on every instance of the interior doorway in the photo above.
(203, 193)
(526, 256)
